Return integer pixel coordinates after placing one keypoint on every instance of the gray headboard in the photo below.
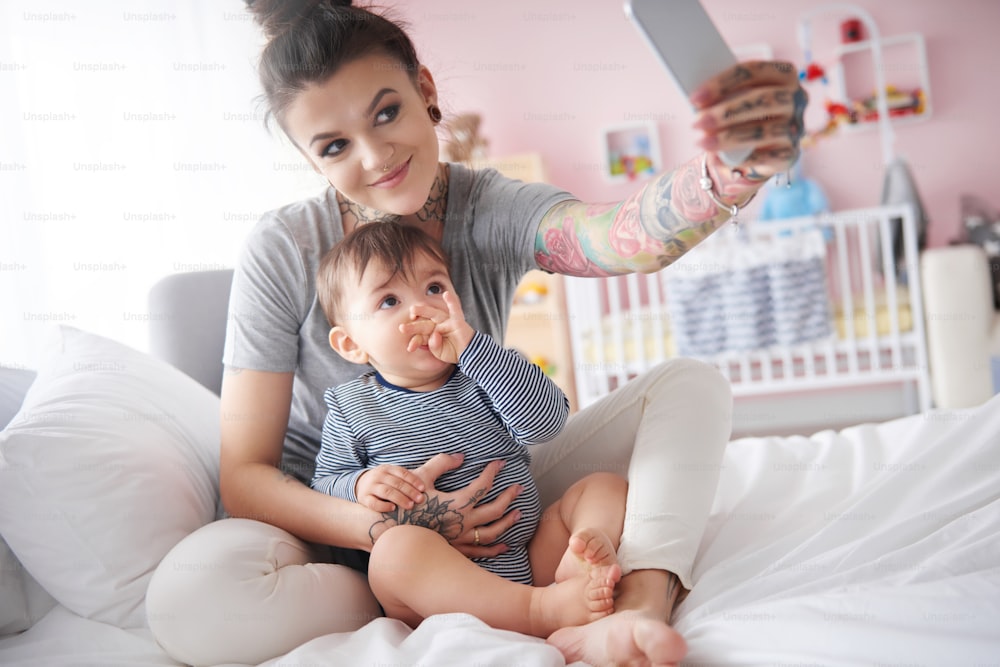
(188, 313)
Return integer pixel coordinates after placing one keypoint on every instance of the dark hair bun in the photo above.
(276, 16)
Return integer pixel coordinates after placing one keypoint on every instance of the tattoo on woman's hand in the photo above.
(432, 513)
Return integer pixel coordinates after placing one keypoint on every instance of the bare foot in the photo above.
(587, 549)
(625, 637)
(576, 601)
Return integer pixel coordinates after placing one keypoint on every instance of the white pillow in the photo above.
(111, 461)
(22, 600)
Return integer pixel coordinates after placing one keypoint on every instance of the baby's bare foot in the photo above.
(600, 590)
(575, 601)
(588, 548)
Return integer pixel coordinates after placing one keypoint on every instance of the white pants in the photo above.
(244, 591)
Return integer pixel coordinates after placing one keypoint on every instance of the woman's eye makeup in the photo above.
(387, 114)
(337, 146)
(334, 148)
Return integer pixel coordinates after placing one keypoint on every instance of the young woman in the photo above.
(346, 86)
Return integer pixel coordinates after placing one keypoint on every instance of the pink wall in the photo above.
(551, 75)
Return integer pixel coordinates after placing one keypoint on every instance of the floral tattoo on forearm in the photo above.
(433, 513)
(646, 232)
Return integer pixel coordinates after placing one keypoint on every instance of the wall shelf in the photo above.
(905, 69)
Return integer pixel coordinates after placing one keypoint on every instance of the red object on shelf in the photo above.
(814, 71)
(850, 31)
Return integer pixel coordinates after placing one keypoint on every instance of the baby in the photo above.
(437, 385)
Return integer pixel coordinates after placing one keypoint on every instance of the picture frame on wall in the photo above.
(631, 152)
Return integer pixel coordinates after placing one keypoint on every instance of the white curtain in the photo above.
(131, 147)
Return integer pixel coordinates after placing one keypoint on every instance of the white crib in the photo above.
(619, 326)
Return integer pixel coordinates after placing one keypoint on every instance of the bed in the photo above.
(874, 544)
(813, 304)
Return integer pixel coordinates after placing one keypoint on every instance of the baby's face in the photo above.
(381, 302)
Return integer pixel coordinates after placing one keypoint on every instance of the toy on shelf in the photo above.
(907, 96)
(900, 103)
(837, 112)
(530, 292)
(543, 363)
(865, 111)
(875, 111)
(812, 72)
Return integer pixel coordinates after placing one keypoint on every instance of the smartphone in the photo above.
(687, 43)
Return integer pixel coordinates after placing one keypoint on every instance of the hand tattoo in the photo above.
(433, 513)
(735, 79)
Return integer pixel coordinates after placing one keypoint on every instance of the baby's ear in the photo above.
(346, 347)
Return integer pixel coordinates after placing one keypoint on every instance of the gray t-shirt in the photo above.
(276, 323)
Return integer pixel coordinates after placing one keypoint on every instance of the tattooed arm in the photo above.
(757, 105)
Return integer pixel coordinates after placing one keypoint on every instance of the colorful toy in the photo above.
(899, 103)
(812, 72)
(543, 363)
(837, 115)
(530, 292)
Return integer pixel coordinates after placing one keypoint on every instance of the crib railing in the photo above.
(619, 326)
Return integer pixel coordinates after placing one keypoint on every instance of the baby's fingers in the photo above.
(454, 306)
(421, 327)
(423, 311)
(416, 342)
(377, 505)
(435, 343)
(389, 483)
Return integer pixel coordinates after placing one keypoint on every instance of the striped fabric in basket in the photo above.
(732, 293)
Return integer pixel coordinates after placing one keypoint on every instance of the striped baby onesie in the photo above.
(493, 406)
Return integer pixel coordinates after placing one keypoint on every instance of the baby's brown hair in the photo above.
(390, 244)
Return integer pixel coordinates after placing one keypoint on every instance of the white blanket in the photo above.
(878, 544)
(873, 545)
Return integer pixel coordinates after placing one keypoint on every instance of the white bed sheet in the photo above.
(877, 544)
(63, 638)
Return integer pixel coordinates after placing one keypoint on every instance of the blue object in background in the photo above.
(801, 198)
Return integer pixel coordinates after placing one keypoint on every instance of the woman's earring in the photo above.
(435, 113)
